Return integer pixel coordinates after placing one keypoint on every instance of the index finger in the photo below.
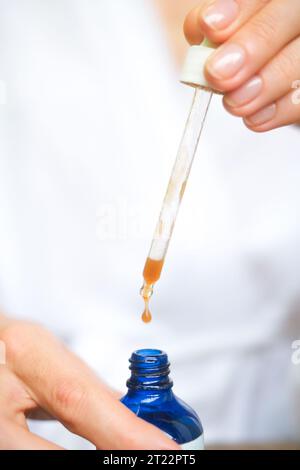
(219, 19)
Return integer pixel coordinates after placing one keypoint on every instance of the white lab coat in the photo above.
(90, 120)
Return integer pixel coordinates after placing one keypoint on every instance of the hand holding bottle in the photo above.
(41, 378)
(257, 64)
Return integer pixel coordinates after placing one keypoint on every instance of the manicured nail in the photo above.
(226, 61)
(245, 93)
(221, 14)
(263, 116)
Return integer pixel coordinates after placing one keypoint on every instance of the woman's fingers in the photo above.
(254, 45)
(274, 81)
(14, 437)
(258, 62)
(65, 387)
(281, 113)
(219, 19)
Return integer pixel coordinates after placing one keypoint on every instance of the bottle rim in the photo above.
(149, 370)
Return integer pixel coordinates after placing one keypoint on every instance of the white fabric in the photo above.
(93, 117)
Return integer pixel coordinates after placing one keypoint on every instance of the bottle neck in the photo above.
(150, 370)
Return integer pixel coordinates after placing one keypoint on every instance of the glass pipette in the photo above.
(174, 194)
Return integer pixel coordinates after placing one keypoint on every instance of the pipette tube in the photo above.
(176, 187)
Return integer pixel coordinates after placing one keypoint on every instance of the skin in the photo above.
(268, 32)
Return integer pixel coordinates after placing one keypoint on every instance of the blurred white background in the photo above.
(89, 129)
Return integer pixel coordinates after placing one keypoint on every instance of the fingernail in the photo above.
(245, 93)
(263, 116)
(221, 14)
(226, 61)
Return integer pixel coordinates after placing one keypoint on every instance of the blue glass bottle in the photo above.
(150, 397)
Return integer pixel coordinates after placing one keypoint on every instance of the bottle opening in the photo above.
(149, 357)
(149, 369)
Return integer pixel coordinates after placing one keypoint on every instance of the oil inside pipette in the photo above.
(151, 274)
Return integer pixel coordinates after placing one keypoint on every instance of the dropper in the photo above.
(193, 75)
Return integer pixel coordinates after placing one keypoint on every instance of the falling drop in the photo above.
(146, 293)
(146, 317)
